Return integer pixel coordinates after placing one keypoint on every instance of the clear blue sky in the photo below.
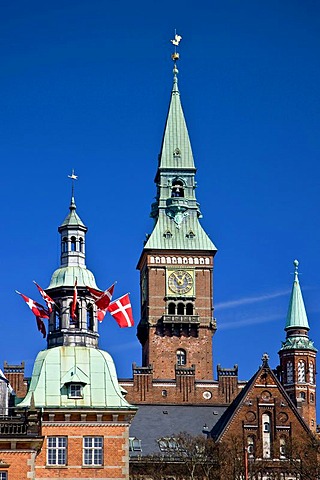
(86, 85)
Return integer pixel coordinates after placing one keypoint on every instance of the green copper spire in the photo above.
(296, 316)
(297, 325)
(176, 211)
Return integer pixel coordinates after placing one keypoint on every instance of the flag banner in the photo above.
(74, 302)
(95, 294)
(45, 297)
(41, 327)
(102, 299)
(37, 309)
(121, 311)
(101, 314)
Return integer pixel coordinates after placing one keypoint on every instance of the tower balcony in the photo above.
(190, 319)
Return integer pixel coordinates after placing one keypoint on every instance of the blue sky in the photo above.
(86, 85)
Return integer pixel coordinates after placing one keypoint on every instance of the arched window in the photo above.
(90, 317)
(311, 397)
(81, 245)
(189, 309)
(282, 447)
(73, 244)
(64, 245)
(180, 309)
(177, 189)
(289, 372)
(74, 321)
(301, 371)
(171, 308)
(266, 436)
(311, 372)
(56, 319)
(303, 395)
(250, 446)
(181, 357)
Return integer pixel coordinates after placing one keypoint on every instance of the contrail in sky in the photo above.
(249, 321)
(248, 300)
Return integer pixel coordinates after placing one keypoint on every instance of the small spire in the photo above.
(73, 178)
(296, 316)
(175, 57)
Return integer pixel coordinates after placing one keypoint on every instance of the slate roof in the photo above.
(152, 422)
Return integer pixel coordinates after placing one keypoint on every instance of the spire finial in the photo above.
(296, 273)
(73, 177)
(175, 56)
(265, 360)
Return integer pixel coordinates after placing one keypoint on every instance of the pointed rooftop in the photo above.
(297, 325)
(72, 219)
(297, 315)
(176, 211)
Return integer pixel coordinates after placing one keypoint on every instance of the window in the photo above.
(181, 357)
(64, 247)
(189, 309)
(92, 450)
(177, 189)
(74, 321)
(180, 309)
(171, 308)
(266, 436)
(81, 245)
(75, 390)
(282, 447)
(73, 244)
(250, 444)
(311, 373)
(167, 235)
(134, 444)
(311, 397)
(301, 371)
(90, 317)
(3, 475)
(56, 320)
(303, 395)
(289, 372)
(57, 451)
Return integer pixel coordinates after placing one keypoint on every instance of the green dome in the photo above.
(54, 370)
(66, 277)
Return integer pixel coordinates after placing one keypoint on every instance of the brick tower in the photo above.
(298, 357)
(176, 263)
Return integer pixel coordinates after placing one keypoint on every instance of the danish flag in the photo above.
(102, 300)
(45, 297)
(74, 301)
(37, 309)
(121, 310)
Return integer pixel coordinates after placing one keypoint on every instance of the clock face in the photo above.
(180, 281)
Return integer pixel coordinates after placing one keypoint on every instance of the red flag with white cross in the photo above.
(121, 311)
(45, 297)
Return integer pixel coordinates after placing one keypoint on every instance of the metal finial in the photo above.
(175, 56)
(73, 177)
(265, 359)
(296, 273)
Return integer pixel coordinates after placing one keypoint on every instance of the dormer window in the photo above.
(167, 235)
(190, 235)
(75, 390)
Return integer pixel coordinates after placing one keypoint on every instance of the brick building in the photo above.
(75, 404)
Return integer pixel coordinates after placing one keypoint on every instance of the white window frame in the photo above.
(3, 475)
(57, 451)
(73, 389)
(92, 451)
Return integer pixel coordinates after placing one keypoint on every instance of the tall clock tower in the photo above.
(176, 263)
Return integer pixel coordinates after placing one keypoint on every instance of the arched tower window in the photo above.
(177, 189)
(301, 371)
(73, 244)
(189, 309)
(180, 309)
(64, 245)
(289, 372)
(81, 245)
(181, 357)
(90, 317)
(74, 321)
(171, 308)
(311, 372)
(56, 319)
(266, 435)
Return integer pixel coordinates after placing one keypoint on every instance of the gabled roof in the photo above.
(230, 415)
